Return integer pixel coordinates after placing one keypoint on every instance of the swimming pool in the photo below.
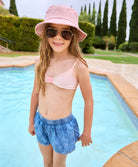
(112, 127)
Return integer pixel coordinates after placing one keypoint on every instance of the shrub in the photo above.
(133, 46)
(99, 43)
(20, 31)
(90, 50)
(129, 47)
(87, 44)
(124, 46)
(111, 46)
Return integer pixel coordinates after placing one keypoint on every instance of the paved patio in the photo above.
(125, 79)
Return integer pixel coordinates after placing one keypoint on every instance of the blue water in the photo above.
(112, 128)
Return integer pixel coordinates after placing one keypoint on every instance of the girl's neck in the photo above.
(60, 56)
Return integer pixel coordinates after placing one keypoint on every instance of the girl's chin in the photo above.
(59, 49)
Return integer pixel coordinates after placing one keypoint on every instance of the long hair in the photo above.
(45, 52)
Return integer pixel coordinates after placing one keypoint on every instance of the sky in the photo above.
(38, 8)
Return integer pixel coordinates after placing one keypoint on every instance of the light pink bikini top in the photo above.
(66, 80)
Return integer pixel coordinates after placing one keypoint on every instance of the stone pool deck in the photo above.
(124, 77)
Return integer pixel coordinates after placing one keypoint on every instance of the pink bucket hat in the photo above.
(59, 14)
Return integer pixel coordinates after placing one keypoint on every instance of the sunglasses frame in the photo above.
(59, 31)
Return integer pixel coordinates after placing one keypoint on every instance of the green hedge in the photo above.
(99, 43)
(133, 46)
(20, 31)
(22, 34)
(124, 47)
(129, 47)
(87, 44)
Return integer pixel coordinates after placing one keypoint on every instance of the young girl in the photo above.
(58, 71)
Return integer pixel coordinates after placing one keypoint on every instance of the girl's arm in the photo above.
(86, 90)
(34, 104)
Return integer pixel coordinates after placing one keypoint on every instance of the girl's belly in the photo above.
(56, 104)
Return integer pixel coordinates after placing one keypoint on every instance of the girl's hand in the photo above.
(85, 139)
(31, 129)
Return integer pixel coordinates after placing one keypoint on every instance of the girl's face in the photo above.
(58, 43)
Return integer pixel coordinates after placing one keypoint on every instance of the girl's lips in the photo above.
(57, 44)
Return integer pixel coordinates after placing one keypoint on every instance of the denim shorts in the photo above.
(62, 134)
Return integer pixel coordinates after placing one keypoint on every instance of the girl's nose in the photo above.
(58, 36)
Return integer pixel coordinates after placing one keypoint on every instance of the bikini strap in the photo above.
(74, 63)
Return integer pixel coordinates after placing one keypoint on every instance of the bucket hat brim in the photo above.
(40, 27)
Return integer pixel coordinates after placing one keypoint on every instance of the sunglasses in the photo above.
(65, 34)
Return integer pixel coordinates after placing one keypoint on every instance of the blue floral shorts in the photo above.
(62, 134)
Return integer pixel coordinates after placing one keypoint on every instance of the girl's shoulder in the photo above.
(36, 59)
(80, 65)
(80, 68)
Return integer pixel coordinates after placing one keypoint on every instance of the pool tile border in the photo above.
(128, 92)
(127, 156)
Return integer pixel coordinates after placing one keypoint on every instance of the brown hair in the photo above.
(45, 52)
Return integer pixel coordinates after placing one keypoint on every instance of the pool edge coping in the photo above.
(127, 156)
(127, 91)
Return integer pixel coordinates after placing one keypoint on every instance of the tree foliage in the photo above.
(98, 25)
(85, 9)
(89, 9)
(81, 10)
(4, 11)
(93, 14)
(12, 8)
(109, 40)
(84, 17)
(133, 37)
(105, 20)
(83, 14)
(121, 35)
(112, 30)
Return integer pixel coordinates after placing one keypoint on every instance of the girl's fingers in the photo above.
(79, 138)
(85, 142)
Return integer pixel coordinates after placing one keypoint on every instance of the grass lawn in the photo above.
(104, 52)
(112, 52)
(115, 59)
(114, 56)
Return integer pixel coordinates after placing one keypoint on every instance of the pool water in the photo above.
(112, 127)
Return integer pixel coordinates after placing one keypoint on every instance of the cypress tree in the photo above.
(98, 26)
(105, 20)
(81, 10)
(12, 8)
(89, 14)
(89, 9)
(93, 14)
(83, 15)
(112, 30)
(121, 35)
(133, 37)
(85, 9)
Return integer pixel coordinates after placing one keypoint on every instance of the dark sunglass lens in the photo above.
(51, 33)
(66, 35)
